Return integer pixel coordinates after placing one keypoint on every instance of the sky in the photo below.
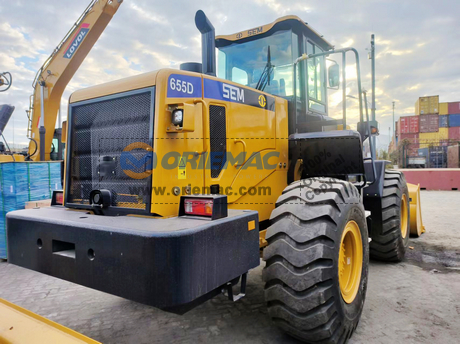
(417, 50)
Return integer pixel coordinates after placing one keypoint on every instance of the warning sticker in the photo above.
(182, 174)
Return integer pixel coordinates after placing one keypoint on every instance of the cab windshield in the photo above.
(244, 63)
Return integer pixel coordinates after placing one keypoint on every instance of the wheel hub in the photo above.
(350, 261)
(403, 216)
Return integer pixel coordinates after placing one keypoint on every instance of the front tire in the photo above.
(391, 238)
(311, 291)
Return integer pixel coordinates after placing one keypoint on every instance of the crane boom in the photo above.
(52, 78)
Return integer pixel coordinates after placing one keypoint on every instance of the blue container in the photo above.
(454, 120)
(423, 152)
(444, 121)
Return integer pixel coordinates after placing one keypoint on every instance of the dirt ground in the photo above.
(416, 301)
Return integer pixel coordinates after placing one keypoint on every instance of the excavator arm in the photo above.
(53, 77)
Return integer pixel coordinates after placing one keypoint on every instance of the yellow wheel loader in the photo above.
(176, 180)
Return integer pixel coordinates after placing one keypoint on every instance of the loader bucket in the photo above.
(416, 225)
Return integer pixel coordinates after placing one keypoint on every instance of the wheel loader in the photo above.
(177, 182)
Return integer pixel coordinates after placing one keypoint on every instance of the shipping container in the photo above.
(443, 108)
(412, 149)
(454, 133)
(454, 120)
(438, 157)
(443, 121)
(453, 157)
(409, 124)
(427, 105)
(429, 123)
(454, 108)
(423, 152)
(434, 139)
(412, 138)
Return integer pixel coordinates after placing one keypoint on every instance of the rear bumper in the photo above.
(165, 263)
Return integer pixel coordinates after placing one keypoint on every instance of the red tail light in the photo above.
(58, 197)
(198, 206)
(212, 206)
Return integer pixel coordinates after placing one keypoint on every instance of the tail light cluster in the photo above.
(208, 206)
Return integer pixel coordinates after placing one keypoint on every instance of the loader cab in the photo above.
(245, 56)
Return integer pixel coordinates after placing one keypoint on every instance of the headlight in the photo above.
(177, 117)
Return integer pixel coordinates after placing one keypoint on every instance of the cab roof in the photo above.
(283, 23)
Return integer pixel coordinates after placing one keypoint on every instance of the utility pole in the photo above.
(373, 84)
(389, 138)
(394, 129)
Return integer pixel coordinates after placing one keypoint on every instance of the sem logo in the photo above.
(136, 160)
(76, 41)
(233, 93)
(262, 101)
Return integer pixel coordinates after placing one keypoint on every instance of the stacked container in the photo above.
(427, 105)
(429, 123)
(453, 156)
(444, 121)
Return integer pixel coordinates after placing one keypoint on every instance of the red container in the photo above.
(409, 124)
(412, 138)
(429, 123)
(453, 108)
(412, 150)
(454, 133)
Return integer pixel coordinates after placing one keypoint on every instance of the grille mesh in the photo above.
(218, 138)
(100, 131)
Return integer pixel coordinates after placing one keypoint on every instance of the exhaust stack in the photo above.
(208, 43)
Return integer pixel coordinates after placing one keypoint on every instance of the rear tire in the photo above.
(303, 292)
(391, 239)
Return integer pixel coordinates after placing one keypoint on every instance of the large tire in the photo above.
(302, 289)
(391, 239)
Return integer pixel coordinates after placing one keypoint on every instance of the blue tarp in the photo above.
(21, 182)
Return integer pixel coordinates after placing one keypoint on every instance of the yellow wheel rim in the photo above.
(404, 213)
(350, 261)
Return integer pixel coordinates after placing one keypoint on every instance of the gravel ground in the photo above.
(416, 301)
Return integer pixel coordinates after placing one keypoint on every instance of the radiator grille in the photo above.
(100, 131)
(218, 138)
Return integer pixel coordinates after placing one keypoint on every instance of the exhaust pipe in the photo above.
(208, 43)
(42, 129)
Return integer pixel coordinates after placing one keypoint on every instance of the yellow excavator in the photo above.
(52, 78)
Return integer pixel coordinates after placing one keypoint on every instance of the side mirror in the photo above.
(333, 73)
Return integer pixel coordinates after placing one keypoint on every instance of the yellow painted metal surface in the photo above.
(59, 69)
(264, 28)
(427, 105)
(416, 224)
(20, 326)
(443, 108)
(9, 158)
(350, 263)
(404, 215)
(127, 84)
(433, 139)
(251, 129)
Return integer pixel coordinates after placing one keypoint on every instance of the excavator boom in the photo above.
(53, 77)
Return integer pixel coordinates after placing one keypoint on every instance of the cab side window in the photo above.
(316, 85)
